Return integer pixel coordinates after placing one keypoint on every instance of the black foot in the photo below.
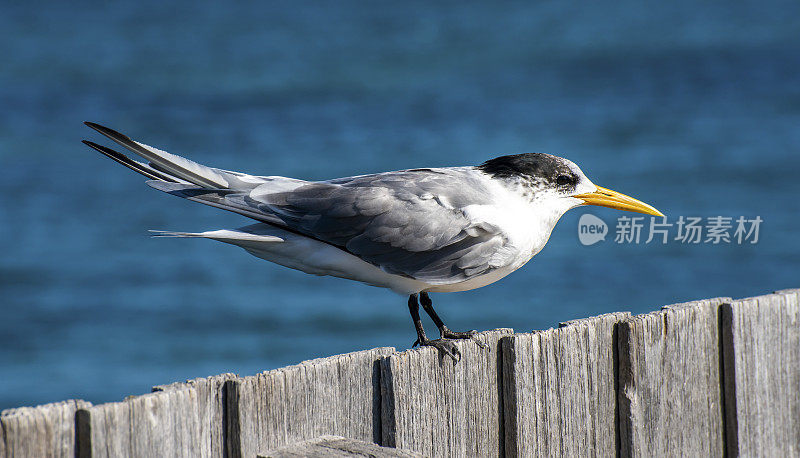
(448, 334)
(446, 346)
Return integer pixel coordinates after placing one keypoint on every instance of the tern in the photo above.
(415, 231)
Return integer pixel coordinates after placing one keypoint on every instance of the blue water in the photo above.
(693, 107)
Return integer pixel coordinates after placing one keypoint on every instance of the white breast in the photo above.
(526, 226)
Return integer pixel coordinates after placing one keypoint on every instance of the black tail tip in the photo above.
(107, 151)
(108, 132)
(93, 145)
(95, 126)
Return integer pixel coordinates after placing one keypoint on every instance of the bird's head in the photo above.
(557, 183)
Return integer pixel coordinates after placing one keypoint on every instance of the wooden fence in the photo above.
(707, 378)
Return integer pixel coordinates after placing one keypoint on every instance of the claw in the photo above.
(456, 354)
(448, 334)
(445, 346)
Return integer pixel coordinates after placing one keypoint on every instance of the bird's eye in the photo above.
(563, 180)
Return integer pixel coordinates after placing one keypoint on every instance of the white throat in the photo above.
(544, 214)
(534, 217)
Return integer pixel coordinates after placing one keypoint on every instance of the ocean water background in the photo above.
(693, 107)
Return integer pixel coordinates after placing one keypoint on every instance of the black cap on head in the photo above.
(538, 167)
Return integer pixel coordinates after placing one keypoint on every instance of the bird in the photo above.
(416, 231)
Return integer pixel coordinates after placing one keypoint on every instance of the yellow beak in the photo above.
(613, 199)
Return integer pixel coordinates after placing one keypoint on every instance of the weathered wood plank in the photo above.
(43, 431)
(335, 395)
(210, 409)
(438, 408)
(173, 422)
(761, 343)
(670, 382)
(558, 390)
(337, 446)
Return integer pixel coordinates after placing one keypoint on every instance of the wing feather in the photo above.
(409, 223)
(395, 221)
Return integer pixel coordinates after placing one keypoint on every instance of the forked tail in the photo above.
(185, 178)
(162, 166)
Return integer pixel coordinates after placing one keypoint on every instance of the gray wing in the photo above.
(409, 222)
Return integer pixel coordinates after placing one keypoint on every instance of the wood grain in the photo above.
(761, 342)
(436, 407)
(43, 431)
(703, 378)
(559, 390)
(670, 382)
(337, 446)
(210, 409)
(176, 420)
(336, 395)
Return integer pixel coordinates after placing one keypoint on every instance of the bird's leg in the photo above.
(413, 307)
(446, 333)
(443, 345)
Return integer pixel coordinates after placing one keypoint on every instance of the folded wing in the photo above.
(410, 223)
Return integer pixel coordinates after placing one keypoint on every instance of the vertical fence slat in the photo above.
(336, 395)
(559, 390)
(167, 423)
(210, 410)
(47, 430)
(670, 382)
(761, 339)
(435, 407)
